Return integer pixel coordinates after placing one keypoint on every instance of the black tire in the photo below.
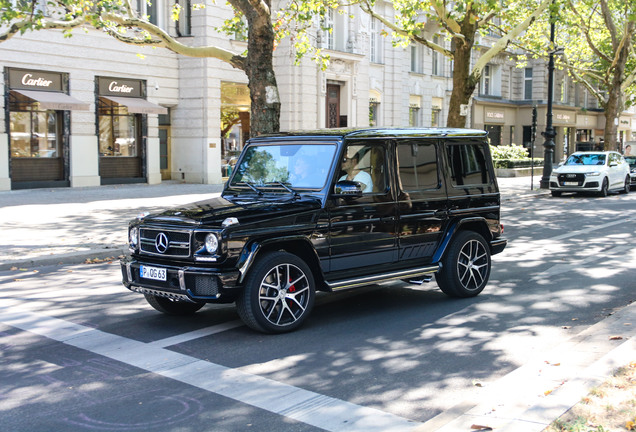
(627, 187)
(604, 188)
(465, 266)
(556, 194)
(278, 295)
(172, 307)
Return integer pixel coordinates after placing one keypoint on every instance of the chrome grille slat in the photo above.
(178, 242)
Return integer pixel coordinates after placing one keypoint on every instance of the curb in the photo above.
(537, 393)
(68, 258)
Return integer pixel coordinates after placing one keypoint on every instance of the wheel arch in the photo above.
(295, 245)
(476, 224)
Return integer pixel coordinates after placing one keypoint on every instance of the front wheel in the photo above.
(465, 266)
(172, 307)
(604, 188)
(278, 294)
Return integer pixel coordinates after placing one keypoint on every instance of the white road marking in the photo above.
(312, 408)
(185, 337)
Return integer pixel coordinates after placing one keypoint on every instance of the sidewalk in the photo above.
(70, 225)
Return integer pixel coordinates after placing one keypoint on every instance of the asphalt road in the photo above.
(79, 352)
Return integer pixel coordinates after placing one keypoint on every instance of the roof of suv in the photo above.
(383, 132)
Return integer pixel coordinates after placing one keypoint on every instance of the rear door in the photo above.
(422, 201)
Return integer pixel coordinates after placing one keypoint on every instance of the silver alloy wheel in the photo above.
(284, 294)
(472, 265)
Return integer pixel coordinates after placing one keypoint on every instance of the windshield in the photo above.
(631, 160)
(304, 166)
(586, 159)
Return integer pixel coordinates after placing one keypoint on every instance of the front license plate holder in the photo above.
(154, 273)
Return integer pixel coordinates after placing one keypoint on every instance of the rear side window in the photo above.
(467, 163)
(417, 166)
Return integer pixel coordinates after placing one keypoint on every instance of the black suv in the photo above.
(325, 211)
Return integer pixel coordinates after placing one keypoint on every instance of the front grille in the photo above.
(172, 244)
(578, 178)
(203, 285)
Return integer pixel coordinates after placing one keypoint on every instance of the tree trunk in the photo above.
(612, 112)
(464, 82)
(259, 68)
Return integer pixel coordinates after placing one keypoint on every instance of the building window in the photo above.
(485, 81)
(414, 116)
(374, 113)
(527, 84)
(564, 89)
(184, 23)
(376, 42)
(334, 31)
(416, 58)
(151, 11)
(436, 112)
(438, 60)
(117, 131)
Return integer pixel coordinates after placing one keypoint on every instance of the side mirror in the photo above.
(347, 189)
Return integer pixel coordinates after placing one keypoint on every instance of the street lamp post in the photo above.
(550, 133)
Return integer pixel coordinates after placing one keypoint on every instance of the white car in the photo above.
(599, 172)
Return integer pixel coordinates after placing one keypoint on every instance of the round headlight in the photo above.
(211, 243)
(133, 237)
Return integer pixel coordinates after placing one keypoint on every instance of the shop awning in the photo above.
(137, 105)
(55, 100)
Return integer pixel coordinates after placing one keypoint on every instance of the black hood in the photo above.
(255, 208)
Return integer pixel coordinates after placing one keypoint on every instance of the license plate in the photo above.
(570, 183)
(154, 273)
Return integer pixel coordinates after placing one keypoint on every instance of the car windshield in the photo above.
(586, 159)
(298, 166)
(631, 160)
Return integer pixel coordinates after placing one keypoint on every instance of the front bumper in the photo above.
(632, 177)
(591, 184)
(182, 282)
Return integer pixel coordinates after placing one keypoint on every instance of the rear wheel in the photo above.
(278, 294)
(172, 307)
(627, 186)
(465, 266)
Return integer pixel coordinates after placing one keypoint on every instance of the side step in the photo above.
(420, 281)
(423, 274)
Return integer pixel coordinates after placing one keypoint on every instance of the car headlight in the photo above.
(133, 237)
(211, 243)
(593, 174)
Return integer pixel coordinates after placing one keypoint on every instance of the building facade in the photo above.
(89, 110)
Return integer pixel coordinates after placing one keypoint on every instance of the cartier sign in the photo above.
(120, 87)
(22, 79)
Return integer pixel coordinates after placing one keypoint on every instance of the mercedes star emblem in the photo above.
(161, 243)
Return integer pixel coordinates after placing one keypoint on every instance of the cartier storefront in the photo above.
(38, 115)
(122, 128)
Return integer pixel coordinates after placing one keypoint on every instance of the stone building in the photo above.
(90, 111)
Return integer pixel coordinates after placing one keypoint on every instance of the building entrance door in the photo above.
(164, 152)
(333, 106)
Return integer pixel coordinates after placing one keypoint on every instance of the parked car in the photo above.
(325, 211)
(631, 160)
(599, 172)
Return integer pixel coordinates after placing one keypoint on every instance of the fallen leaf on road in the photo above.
(18, 280)
(616, 338)
(14, 268)
(566, 327)
(480, 427)
(477, 384)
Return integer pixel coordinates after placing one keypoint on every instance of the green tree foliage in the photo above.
(595, 43)
(418, 21)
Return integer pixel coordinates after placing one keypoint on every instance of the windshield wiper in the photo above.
(254, 188)
(287, 188)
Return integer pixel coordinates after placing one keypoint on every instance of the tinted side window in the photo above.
(365, 164)
(417, 166)
(468, 164)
